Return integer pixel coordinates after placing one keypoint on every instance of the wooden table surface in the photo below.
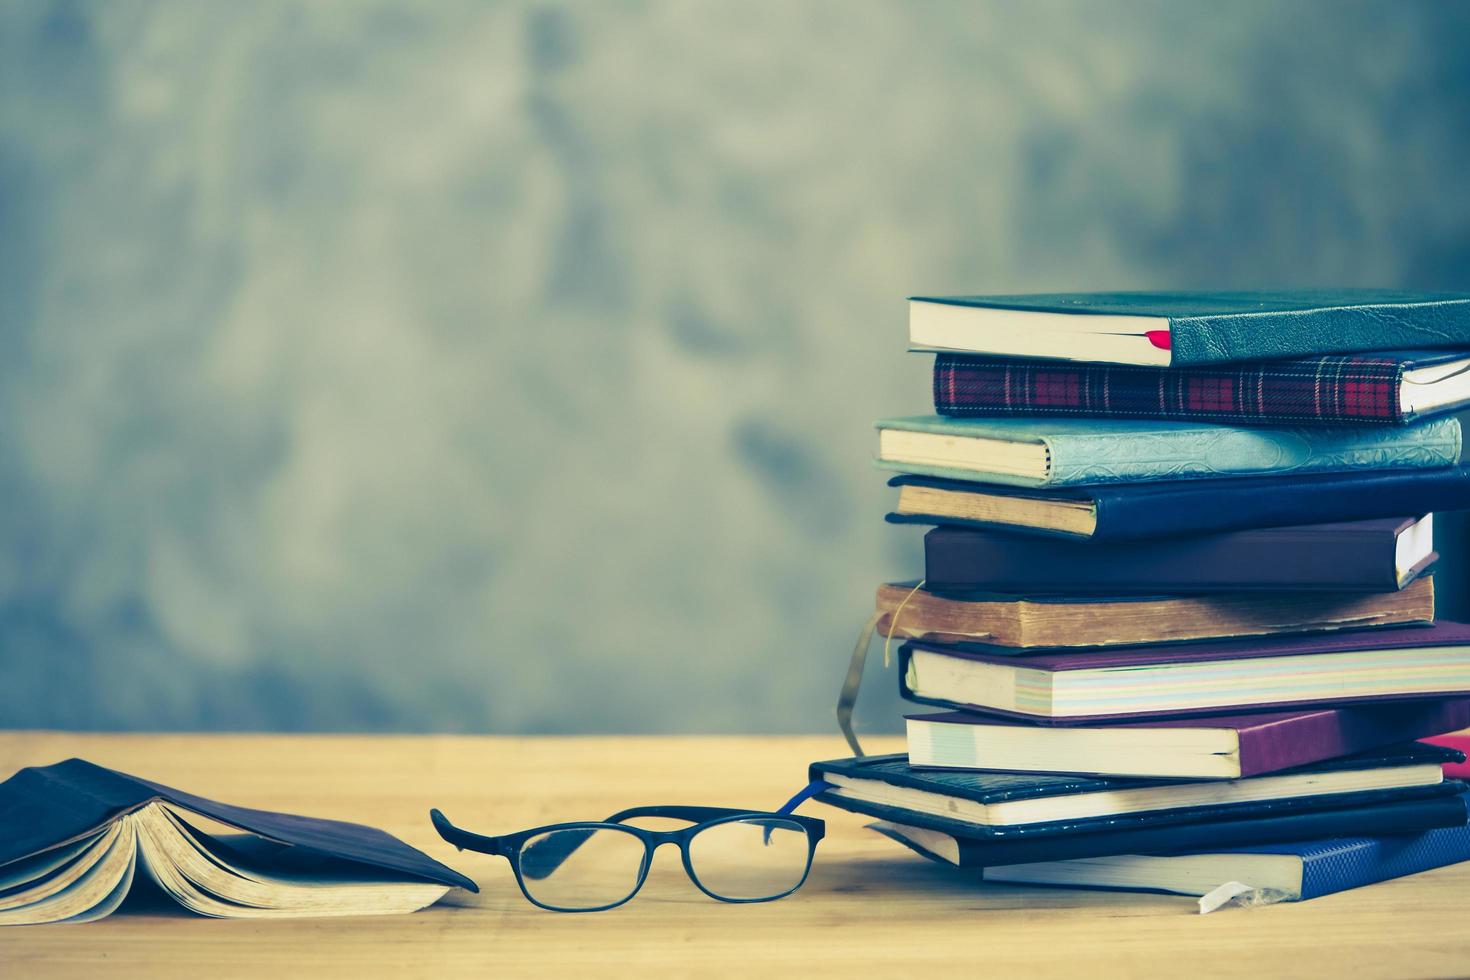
(869, 907)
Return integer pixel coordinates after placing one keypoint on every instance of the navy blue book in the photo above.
(1284, 871)
(996, 805)
(1397, 818)
(1122, 512)
(1177, 329)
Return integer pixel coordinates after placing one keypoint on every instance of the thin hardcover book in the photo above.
(1390, 388)
(1187, 328)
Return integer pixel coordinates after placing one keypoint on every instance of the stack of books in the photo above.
(1177, 599)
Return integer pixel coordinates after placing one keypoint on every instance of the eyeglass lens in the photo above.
(578, 868)
(750, 859)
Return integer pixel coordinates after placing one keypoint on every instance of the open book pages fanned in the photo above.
(76, 837)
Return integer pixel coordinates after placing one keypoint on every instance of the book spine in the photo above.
(1305, 333)
(1351, 863)
(1223, 451)
(1331, 734)
(1319, 391)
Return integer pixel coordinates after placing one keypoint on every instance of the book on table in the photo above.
(1162, 509)
(1186, 328)
(1292, 870)
(1046, 620)
(1387, 388)
(1366, 556)
(1225, 677)
(73, 836)
(1008, 804)
(1190, 747)
(952, 845)
(1028, 452)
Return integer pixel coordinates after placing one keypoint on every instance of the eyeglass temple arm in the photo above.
(463, 839)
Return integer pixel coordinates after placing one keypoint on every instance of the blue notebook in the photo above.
(1069, 452)
(1294, 871)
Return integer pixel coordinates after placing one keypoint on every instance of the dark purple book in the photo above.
(1353, 556)
(1214, 746)
(1225, 677)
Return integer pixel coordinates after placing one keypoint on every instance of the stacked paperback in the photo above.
(1178, 603)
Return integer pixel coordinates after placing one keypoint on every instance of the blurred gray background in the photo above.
(510, 367)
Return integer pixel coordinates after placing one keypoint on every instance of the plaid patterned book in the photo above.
(1391, 388)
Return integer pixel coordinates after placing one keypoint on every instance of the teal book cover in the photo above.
(1227, 327)
(1070, 452)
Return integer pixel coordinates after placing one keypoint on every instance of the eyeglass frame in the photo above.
(509, 846)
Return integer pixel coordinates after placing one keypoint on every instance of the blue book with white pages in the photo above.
(1293, 871)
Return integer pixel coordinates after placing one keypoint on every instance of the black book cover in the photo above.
(48, 806)
(994, 787)
(1398, 817)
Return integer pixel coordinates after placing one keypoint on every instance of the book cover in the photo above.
(1266, 741)
(1293, 870)
(1350, 862)
(989, 788)
(72, 835)
(1026, 623)
(1328, 390)
(1094, 451)
(1223, 327)
(1411, 660)
(1126, 512)
(1397, 817)
(1356, 556)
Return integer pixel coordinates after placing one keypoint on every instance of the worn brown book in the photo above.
(1041, 621)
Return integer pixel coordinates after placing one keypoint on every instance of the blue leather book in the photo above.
(1129, 511)
(1397, 818)
(1070, 452)
(1293, 871)
(1176, 329)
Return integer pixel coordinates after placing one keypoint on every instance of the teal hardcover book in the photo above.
(1069, 452)
(1177, 329)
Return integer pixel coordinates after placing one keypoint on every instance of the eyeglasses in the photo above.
(731, 855)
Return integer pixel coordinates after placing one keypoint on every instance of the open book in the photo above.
(73, 836)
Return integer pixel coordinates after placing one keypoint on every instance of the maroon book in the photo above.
(1352, 556)
(1224, 677)
(1220, 746)
(1357, 388)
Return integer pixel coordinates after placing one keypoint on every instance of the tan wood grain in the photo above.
(869, 908)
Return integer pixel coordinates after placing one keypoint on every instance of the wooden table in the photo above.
(869, 908)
